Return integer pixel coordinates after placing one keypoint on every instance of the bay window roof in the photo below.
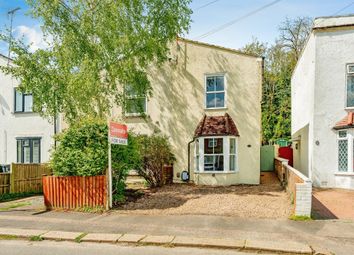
(346, 122)
(216, 126)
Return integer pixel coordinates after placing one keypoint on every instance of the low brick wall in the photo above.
(297, 185)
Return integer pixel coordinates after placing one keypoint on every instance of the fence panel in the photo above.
(27, 177)
(4, 183)
(71, 192)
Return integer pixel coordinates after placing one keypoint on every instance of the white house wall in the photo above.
(334, 49)
(14, 125)
(302, 106)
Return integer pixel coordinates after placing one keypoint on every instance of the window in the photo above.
(232, 164)
(342, 151)
(213, 154)
(28, 150)
(215, 91)
(23, 101)
(350, 85)
(135, 102)
(197, 155)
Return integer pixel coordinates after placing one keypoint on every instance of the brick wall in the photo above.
(297, 185)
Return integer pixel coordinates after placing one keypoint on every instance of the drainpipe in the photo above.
(189, 157)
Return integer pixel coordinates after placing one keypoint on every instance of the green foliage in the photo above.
(81, 150)
(280, 61)
(300, 218)
(35, 238)
(94, 48)
(13, 196)
(156, 152)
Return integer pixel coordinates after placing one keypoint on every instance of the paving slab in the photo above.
(21, 232)
(101, 238)
(130, 238)
(209, 242)
(61, 235)
(157, 239)
(281, 246)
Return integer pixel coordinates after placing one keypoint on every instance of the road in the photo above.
(22, 247)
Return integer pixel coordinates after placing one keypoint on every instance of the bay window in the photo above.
(345, 150)
(216, 154)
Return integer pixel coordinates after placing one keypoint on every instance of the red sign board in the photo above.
(118, 133)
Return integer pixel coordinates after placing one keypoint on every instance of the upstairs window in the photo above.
(350, 85)
(135, 102)
(23, 101)
(215, 91)
(28, 150)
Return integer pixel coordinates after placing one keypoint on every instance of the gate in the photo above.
(267, 158)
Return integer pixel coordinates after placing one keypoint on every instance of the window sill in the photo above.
(344, 173)
(216, 172)
(23, 113)
(135, 115)
(215, 109)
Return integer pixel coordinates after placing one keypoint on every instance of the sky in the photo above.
(207, 15)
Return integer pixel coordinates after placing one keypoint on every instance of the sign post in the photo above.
(117, 134)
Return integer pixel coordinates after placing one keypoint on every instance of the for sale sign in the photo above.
(118, 133)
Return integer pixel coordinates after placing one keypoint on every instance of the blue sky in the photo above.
(263, 25)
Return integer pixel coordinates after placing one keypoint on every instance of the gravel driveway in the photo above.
(267, 200)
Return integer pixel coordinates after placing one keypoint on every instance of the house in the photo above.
(207, 100)
(323, 103)
(25, 137)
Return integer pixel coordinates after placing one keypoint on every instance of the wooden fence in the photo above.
(71, 192)
(4, 183)
(23, 178)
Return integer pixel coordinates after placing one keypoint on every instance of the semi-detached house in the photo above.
(206, 99)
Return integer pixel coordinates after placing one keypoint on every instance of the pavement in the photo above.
(199, 230)
(20, 247)
(333, 203)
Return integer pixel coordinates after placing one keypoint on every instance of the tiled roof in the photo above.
(216, 125)
(346, 122)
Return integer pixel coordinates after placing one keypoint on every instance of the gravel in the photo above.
(267, 200)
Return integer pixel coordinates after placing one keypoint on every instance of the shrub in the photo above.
(155, 151)
(83, 151)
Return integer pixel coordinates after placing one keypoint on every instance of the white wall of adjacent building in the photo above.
(19, 125)
(319, 102)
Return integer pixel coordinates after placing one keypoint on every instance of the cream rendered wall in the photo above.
(302, 106)
(178, 104)
(13, 125)
(334, 49)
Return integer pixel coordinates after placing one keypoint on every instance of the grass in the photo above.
(87, 209)
(13, 206)
(36, 238)
(13, 196)
(8, 237)
(300, 218)
(78, 239)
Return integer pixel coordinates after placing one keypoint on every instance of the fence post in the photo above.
(12, 178)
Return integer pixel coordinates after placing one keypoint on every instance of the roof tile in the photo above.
(216, 125)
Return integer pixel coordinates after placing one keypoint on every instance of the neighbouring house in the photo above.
(207, 100)
(25, 137)
(323, 104)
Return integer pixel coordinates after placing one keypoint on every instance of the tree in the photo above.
(95, 47)
(294, 34)
(280, 60)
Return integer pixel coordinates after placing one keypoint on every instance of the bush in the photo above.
(83, 151)
(155, 152)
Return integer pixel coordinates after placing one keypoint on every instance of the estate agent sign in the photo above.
(118, 133)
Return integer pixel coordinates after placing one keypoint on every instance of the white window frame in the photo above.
(213, 92)
(350, 140)
(226, 155)
(132, 97)
(347, 73)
